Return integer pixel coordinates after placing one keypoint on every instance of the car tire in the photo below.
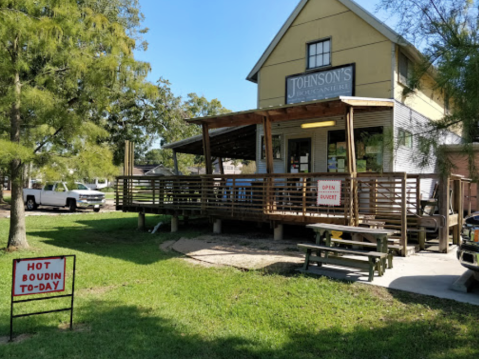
(72, 205)
(96, 210)
(31, 204)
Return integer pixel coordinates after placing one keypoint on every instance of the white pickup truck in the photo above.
(58, 194)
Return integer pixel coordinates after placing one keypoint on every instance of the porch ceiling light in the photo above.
(319, 124)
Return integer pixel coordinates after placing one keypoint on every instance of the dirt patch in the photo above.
(202, 263)
(16, 339)
(242, 252)
(95, 290)
(166, 246)
(79, 328)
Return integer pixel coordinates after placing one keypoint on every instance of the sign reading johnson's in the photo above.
(330, 83)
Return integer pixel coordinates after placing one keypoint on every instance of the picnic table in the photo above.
(378, 237)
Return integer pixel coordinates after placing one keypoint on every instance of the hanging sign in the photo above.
(329, 193)
(38, 276)
(320, 85)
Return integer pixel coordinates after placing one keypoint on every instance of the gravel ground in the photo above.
(52, 211)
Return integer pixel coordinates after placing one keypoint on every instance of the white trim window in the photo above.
(319, 54)
(405, 68)
(405, 138)
(277, 147)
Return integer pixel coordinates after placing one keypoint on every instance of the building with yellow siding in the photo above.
(331, 109)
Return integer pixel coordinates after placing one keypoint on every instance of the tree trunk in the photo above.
(17, 236)
(2, 182)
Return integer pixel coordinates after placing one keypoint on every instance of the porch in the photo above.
(413, 206)
(391, 198)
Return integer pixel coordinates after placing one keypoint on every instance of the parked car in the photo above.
(468, 252)
(60, 194)
(97, 183)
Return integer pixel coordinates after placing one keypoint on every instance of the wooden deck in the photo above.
(392, 198)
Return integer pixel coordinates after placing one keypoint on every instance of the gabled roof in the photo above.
(372, 20)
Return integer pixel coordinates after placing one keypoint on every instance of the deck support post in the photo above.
(207, 150)
(141, 221)
(174, 224)
(175, 161)
(278, 232)
(444, 211)
(217, 226)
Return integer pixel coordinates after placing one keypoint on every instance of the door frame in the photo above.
(288, 150)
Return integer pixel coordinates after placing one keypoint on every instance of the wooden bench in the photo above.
(391, 248)
(375, 259)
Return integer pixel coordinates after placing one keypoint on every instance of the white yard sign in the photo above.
(38, 276)
(329, 193)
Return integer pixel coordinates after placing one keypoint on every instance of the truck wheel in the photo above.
(31, 204)
(72, 205)
(96, 210)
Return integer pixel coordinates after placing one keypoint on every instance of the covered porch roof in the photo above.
(230, 142)
(302, 111)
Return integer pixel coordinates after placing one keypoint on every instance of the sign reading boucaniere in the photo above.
(38, 276)
(335, 82)
(329, 193)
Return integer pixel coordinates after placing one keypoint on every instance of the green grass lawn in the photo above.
(110, 195)
(133, 301)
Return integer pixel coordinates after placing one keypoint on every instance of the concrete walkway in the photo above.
(424, 273)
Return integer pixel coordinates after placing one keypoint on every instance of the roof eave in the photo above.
(372, 20)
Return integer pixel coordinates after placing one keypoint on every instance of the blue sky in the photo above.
(210, 46)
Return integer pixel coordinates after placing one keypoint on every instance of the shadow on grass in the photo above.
(115, 237)
(118, 331)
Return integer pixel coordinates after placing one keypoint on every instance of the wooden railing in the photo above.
(289, 195)
(393, 198)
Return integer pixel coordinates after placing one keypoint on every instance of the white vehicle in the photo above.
(58, 194)
(98, 183)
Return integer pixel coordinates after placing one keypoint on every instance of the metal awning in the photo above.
(302, 111)
(231, 142)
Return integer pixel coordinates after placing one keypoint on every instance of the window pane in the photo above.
(319, 61)
(312, 49)
(326, 59)
(312, 62)
(403, 68)
(326, 47)
(319, 49)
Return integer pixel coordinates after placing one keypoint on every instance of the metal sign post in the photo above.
(33, 276)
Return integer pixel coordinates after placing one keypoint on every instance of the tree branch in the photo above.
(19, 12)
(45, 140)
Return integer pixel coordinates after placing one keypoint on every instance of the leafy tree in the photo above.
(177, 129)
(447, 32)
(61, 64)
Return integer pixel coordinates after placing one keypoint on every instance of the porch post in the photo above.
(444, 211)
(175, 161)
(207, 150)
(351, 150)
(220, 163)
(352, 169)
(268, 141)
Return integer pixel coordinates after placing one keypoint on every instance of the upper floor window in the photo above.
(319, 54)
(405, 69)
